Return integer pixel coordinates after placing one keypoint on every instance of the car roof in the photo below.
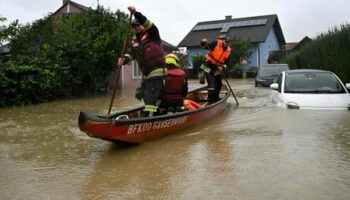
(305, 71)
(272, 65)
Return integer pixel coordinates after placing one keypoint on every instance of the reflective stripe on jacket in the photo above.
(157, 72)
(218, 56)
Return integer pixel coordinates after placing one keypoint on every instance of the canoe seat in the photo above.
(122, 117)
(201, 95)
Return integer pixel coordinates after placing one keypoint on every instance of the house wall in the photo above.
(259, 51)
(253, 59)
(194, 51)
(262, 50)
(128, 81)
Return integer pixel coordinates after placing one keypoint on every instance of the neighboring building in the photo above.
(70, 7)
(264, 32)
(290, 47)
(130, 76)
(306, 40)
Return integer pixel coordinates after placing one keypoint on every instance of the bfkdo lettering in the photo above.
(149, 126)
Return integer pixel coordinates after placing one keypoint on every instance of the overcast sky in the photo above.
(298, 18)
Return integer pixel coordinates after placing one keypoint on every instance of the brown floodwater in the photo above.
(254, 151)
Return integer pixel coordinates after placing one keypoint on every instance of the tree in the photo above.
(197, 60)
(55, 58)
(328, 51)
(240, 51)
(7, 32)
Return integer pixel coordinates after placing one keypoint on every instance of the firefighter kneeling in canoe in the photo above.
(176, 86)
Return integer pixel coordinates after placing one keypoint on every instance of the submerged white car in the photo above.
(311, 89)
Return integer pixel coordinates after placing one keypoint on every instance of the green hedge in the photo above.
(329, 51)
(55, 58)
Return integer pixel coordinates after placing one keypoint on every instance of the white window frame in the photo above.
(136, 72)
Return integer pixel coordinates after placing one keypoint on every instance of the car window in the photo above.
(312, 82)
(274, 70)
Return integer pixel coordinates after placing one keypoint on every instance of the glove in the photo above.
(132, 9)
(204, 42)
(121, 61)
(139, 93)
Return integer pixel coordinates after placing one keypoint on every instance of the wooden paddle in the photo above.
(118, 68)
(233, 94)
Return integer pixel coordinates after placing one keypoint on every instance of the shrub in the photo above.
(329, 51)
(55, 58)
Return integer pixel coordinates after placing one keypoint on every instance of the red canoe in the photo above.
(131, 127)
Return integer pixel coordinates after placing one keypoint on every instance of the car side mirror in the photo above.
(347, 85)
(274, 86)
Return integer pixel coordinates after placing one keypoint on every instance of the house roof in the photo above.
(82, 7)
(291, 45)
(169, 46)
(302, 43)
(79, 6)
(253, 29)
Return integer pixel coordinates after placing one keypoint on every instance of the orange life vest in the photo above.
(191, 105)
(218, 56)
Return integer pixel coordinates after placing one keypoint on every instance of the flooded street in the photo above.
(254, 151)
